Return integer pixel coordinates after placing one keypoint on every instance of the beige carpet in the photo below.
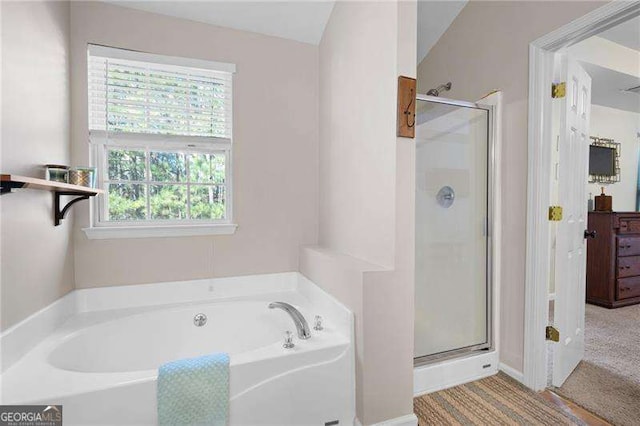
(496, 400)
(607, 381)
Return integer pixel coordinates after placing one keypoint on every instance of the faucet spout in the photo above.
(301, 324)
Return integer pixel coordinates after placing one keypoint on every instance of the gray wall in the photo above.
(37, 258)
(275, 164)
(366, 192)
(275, 153)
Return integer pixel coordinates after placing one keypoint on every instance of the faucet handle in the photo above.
(318, 323)
(288, 340)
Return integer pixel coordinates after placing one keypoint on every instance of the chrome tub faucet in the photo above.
(301, 324)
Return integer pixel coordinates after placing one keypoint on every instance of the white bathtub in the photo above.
(101, 364)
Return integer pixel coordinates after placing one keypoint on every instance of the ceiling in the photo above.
(626, 34)
(610, 88)
(300, 20)
(611, 66)
(434, 17)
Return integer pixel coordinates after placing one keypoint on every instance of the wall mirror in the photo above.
(604, 160)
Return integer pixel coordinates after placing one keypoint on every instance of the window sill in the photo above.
(162, 231)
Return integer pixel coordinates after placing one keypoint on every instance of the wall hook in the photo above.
(408, 112)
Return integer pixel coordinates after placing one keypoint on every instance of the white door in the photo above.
(571, 247)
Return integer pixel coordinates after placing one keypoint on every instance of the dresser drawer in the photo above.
(629, 225)
(628, 246)
(628, 287)
(628, 266)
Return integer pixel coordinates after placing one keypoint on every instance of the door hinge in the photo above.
(552, 333)
(558, 90)
(555, 213)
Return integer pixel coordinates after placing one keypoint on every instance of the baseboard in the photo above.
(512, 372)
(454, 372)
(17, 340)
(408, 420)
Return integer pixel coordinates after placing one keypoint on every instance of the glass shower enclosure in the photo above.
(453, 228)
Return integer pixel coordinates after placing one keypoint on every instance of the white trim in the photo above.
(552, 296)
(408, 420)
(538, 197)
(132, 55)
(172, 142)
(511, 372)
(18, 339)
(114, 232)
(541, 53)
(594, 22)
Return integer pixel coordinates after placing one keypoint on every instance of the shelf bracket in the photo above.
(58, 214)
(7, 187)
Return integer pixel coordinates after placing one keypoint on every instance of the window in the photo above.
(161, 131)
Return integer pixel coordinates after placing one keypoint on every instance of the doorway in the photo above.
(560, 267)
(605, 378)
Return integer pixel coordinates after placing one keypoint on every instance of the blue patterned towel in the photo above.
(194, 391)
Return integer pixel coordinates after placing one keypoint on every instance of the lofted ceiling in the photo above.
(300, 20)
(434, 17)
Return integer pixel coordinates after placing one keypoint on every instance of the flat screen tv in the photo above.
(602, 161)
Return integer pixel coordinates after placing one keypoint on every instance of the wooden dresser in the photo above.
(613, 259)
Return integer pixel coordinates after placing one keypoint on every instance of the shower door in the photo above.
(452, 289)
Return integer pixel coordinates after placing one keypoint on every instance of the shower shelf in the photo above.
(10, 182)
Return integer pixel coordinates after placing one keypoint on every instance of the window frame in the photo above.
(101, 141)
(101, 153)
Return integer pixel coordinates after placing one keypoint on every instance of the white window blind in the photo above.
(137, 93)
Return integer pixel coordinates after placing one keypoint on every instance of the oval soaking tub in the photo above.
(147, 340)
(101, 365)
